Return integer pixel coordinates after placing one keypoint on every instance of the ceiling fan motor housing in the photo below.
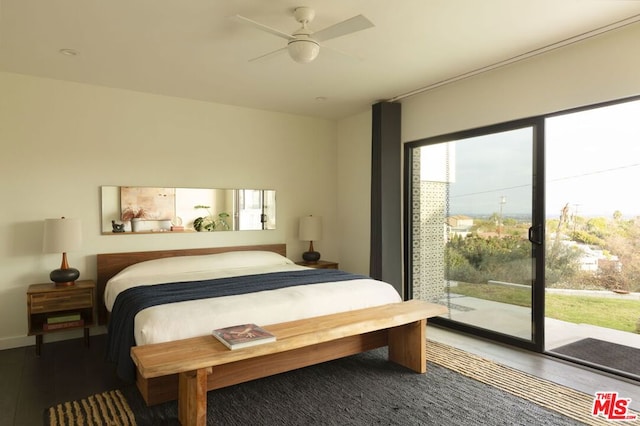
(302, 48)
(304, 14)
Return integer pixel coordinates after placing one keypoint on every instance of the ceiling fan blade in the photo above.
(351, 25)
(266, 55)
(342, 52)
(263, 27)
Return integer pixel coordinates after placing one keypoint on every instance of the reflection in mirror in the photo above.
(127, 209)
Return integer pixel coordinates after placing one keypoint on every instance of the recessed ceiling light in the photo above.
(69, 52)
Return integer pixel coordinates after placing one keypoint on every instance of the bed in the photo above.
(240, 273)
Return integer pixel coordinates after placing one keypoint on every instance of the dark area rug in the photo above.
(612, 355)
(363, 389)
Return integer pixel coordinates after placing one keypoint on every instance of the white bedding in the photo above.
(199, 317)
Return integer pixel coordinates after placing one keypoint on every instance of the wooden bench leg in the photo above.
(407, 346)
(192, 398)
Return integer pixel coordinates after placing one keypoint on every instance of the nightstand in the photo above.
(51, 309)
(321, 264)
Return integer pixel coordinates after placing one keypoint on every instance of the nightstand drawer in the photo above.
(61, 300)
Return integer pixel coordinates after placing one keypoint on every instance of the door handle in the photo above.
(537, 238)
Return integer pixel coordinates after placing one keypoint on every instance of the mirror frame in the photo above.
(144, 210)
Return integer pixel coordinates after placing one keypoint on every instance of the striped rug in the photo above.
(107, 408)
(569, 402)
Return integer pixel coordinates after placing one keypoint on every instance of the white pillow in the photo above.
(204, 263)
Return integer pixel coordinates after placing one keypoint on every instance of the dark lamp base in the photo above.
(311, 256)
(64, 277)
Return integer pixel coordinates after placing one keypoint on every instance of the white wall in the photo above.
(61, 141)
(354, 192)
(600, 69)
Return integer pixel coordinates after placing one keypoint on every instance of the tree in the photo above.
(597, 226)
(586, 238)
(562, 265)
(480, 259)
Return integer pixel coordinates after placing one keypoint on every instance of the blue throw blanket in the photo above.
(131, 301)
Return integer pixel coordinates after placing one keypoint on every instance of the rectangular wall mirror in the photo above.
(136, 209)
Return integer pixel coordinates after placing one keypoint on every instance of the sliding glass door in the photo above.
(593, 237)
(529, 233)
(470, 227)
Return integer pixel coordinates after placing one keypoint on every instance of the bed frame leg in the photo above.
(407, 345)
(192, 398)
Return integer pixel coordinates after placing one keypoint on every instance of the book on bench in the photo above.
(242, 336)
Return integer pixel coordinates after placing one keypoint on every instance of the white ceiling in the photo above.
(193, 49)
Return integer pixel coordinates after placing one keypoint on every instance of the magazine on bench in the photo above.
(242, 336)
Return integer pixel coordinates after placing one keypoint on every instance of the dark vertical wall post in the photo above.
(386, 225)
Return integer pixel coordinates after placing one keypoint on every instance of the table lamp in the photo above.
(60, 236)
(310, 230)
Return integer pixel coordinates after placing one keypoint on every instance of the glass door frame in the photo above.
(536, 232)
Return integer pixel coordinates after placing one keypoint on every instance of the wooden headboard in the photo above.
(109, 264)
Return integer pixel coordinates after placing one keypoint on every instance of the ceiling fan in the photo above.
(304, 45)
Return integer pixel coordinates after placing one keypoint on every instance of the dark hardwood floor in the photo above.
(67, 370)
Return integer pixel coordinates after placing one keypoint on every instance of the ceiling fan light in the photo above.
(303, 51)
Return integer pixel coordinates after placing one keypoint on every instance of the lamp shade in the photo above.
(62, 235)
(310, 228)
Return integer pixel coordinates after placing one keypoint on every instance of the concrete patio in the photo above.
(516, 321)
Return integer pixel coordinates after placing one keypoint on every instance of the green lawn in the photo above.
(604, 312)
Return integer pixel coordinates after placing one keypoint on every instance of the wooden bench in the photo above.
(187, 369)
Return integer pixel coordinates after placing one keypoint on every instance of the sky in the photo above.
(592, 164)
(593, 161)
